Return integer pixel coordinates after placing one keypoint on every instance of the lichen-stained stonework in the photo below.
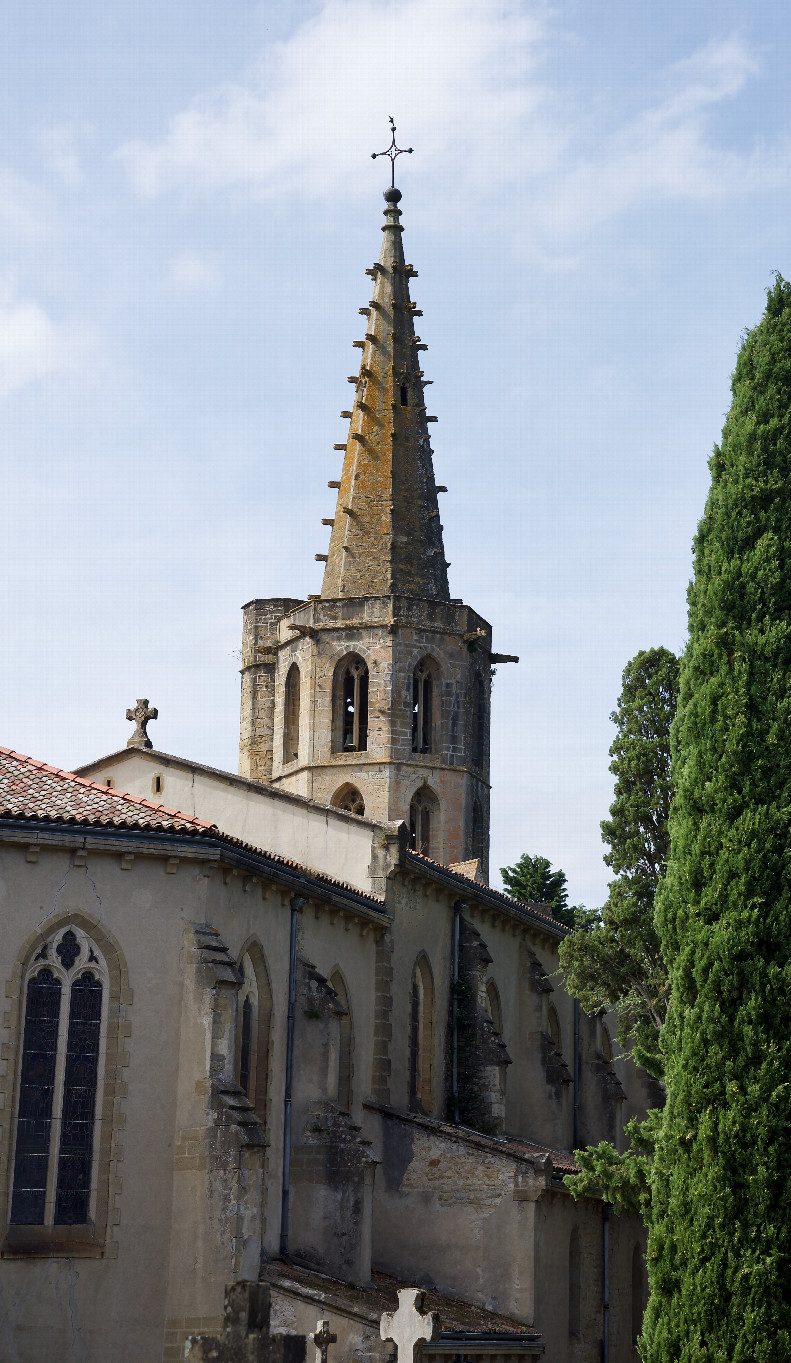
(384, 600)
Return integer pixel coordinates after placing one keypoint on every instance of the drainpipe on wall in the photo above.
(296, 904)
(454, 1079)
(576, 1141)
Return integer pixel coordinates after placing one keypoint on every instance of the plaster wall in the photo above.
(321, 839)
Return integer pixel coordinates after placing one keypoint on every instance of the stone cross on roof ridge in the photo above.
(410, 1327)
(140, 717)
(323, 1337)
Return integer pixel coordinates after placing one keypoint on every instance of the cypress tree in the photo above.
(720, 1235)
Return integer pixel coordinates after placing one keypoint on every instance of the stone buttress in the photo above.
(374, 696)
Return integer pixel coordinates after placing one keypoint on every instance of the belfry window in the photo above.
(56, 1117)
(424, 822)
(404, 395)
(422, 707)
(291, 716)
(352, 701)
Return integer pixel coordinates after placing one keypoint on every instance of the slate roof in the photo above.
(35, 790)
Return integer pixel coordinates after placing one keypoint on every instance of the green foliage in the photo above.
(532, 880)
(624, 1180)
(614, 961)
(719, 1254)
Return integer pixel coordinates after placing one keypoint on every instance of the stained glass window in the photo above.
(59, 1072)
(79, 1102)
(34, 1112)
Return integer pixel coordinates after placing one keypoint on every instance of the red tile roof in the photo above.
(34, 790)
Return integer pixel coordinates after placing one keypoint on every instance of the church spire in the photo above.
(386, 537)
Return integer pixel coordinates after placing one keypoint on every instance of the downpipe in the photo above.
(605, 1229)
(296, 904)
(454, 1071)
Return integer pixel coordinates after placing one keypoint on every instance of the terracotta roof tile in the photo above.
(34, 790)
(30, 789)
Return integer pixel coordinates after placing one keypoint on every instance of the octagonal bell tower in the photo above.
(375, 695)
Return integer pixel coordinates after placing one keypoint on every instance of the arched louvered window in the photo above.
(351, 705)
(423, 688)
(291, 716)
(59, 1073)
(424, 823)
(421, 1036)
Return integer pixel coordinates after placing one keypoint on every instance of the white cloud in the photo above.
(32, 346)
(22, 208)
(194, 272)
(308, 118)
(473, 76)
(58, 145)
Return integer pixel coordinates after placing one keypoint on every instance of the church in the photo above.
(268, 1036)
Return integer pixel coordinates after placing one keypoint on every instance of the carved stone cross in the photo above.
(410, 1327)
(140, 717)
(323, 1338)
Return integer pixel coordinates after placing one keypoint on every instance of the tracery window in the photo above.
(55, 1136)
(421, 1036)
(349, 799)
(422, 707)
(424, 822)
(351, 700)
(291, 715)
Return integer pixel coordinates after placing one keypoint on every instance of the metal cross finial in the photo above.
(140, 717)
(392, 151)
(323, 1338)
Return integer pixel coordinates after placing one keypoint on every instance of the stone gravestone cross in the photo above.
(410, 1327)
(323, 1338)
(140, 717)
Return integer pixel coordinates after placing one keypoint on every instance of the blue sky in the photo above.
(598, 197)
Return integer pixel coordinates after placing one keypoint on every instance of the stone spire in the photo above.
(386, 537)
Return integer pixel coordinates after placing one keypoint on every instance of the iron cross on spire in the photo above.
(392, 151)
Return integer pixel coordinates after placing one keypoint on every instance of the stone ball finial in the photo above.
(392, 196)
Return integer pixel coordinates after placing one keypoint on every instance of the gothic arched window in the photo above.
(421, 1036)
(493, 1006)
(346, 1047)
(57, 1114)
(423, 686)
(351, 705)
(575, 1283)
(349, 799)
(254, 1021)
(424, 822)
(478, 721)
(291, 716)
